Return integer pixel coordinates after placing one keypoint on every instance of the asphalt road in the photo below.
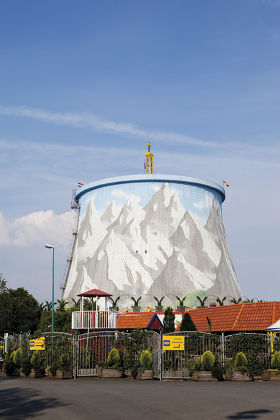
(121, 399)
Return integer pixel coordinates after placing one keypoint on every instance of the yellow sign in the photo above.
(173, 342)
(37, 344)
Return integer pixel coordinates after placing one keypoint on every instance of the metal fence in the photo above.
(87, 352)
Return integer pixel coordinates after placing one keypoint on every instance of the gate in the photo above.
(251, 343)
(59, 348)
(92, 350)
(177, 364)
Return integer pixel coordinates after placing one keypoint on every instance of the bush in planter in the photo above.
(207, 360)
(8, 364)
(255, 365)
(241, 363)
(64, 362)
(275, 360)
(114, 359)
(17, 358)
(53, 369)
(218, 370)
(25, 363)
(146, 359)
(36, 360)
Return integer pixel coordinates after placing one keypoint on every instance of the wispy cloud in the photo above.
(101, 124)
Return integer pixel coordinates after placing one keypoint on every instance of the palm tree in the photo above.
(48, 306)
(202, 301)
(61, 305)
(76, 303)
(181, 301)
(159, 301)
(136, 301)
(236, 301)
(221, 301)
(114, 301)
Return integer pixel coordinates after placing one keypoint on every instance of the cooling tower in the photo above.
(151, 235)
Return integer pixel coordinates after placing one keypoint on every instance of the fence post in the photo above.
(160, 354)
(223, 349)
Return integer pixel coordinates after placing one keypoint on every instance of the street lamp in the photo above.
(52, 247)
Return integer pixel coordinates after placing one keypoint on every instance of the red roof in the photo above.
(145, 321)
(94, 293)
(240, 317)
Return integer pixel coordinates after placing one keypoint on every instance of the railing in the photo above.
(93, 320)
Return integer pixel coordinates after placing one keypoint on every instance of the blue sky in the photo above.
(84, 84)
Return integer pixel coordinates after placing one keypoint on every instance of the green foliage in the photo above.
(62, 321)
(168, 320)
(114, 301)
(53, 369)
(181, 301)
(113, 359)
(275, 361)
(146, 359)
(236, 301)
(247, 343)
(207, 360)
(136, 301)
(3, 284)
(25, 363)
(241, 362)
(255, 365)
(221, 301)
(36, 359)
(64, 362)
(8, 364)
(61, 305)
(17, 358)
(218, 370)
(187, 323)
(19, 311)
(159, 301)
(202, 301)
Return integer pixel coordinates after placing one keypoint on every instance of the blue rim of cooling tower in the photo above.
(175, 179)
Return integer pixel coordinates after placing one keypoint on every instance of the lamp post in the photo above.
(52, 247)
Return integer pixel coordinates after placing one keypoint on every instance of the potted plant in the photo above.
(113, 365)
(25, 364)
(114, 302)
(146, 362)
(136, 307)
(159, 307)
(207, 362)
(36, 365)
(64, 370)
(274, 373)
(8, 365)
(181, 307)
(16, 361)
(240, 372)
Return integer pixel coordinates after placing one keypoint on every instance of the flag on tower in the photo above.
(80, 184)
(225, 184)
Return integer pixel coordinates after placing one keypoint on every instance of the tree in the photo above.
(61, 305)
(221, 301)
(3, 284)
(168, 320)
(187, 323)
(202, 301)
(236, 301)
(19, 311)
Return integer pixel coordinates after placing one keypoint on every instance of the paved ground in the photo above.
(88, 398)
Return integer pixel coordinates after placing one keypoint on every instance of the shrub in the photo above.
(255, 365)
(53, 369)
(25, 363)
(36, 360)
(275, 361)
(218, 371)
(207, 360)
(241, 362)
(114, 359)
(17, 358)
(64, 361)
(8, 364)
(146, 359)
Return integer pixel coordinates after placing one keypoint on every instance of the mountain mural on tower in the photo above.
(158, 249)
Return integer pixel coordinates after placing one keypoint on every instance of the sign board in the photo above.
(37, 344)
(173, 342)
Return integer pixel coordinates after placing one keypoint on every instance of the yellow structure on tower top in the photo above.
(149, 161)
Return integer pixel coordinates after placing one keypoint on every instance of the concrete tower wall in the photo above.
(152, 235)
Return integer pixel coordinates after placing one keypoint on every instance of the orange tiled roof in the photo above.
(135, 321)
(240, 317)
